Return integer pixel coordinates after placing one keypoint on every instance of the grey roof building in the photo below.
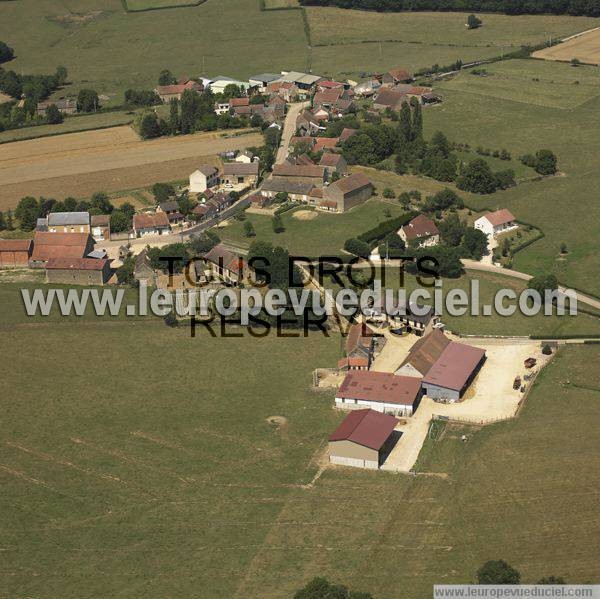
(68, 218)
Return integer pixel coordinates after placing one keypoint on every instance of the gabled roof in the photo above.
(330, 159)
(287, 185)
(346, 133)
(16, 245)
(426, 351)
(420, 226)
(455, 366)
(264, 77)
(208, 170)
(500, 217)
(298, 170)
(240, 168)
(359, 339)
(100, 220)
(244, 101)
(59, 245)
(351, 183)
(400, 74)
(325, 142)
(68, 218)
(389, 97)
(76, 264)
(383, 387)
(365, 427)
(221, 256)
(150, 221)
(169, 206)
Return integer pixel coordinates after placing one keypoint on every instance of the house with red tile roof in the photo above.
(363, 440)
(174, 92)
(420, 231)
(382, 391)
(226, 265)
(15, 253)
(151, 224)
(78, 271)
(395, 76)
(48, 245)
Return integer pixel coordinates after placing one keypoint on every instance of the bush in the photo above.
(357, 247)
(170, 319)
(388, 193)
(547, 350)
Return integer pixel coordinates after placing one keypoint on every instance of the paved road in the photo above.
(289, 128)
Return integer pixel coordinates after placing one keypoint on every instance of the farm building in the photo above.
(225, 265)
(411, 318)
(100, 224)
(65, 106)
(174, 92)
(348, 192)
(59, 245)
(151, 224)
(239, 173)
(78, 271)
(420, 230)
(388, 98)
(260, 82)
(381, 391)
(424, 354)
(203, 178)
(310, 173)
(333, 163)
(142, 269)
(297, 191)
(359, 349)
(396, 76)
(363, 439)
(68, 222)
(496, 222)
(453, 372)
(15, 253)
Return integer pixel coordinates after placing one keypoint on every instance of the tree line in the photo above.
(589, 8)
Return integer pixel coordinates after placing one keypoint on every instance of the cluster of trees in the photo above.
(30, 209)
(6, 222)
(6, 52)
(544, 162)
(501, 572)
(509, 7)
(321, 588)
(477, 177)
(144, 97)
(470, 242)
(543, 283)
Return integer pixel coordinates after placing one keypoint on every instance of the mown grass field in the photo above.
(154, 472)
(325, 234)
(153, 4)
(564, 206)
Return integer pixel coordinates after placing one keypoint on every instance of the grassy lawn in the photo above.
(564, 207)
(323, 235)
(84, 122)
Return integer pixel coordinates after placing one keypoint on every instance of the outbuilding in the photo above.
(15, 253)
(363, 439)
(497, 222)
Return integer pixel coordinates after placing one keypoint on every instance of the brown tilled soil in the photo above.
(78, 164)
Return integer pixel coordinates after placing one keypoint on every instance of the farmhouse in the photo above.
(301, 173)
(59, 245)
(349, 191)
(203, 178)
(65, 106)
(420, 231)
(388, 98)
(453, 372)
(325, 143)
(381, 391)
(298, 191)
(411, 318)
(100, 224)
(174, 92)
(359, 349)
(496, 222)
(245, 156)
(309, 123)
(333, 163)
(395, 76)
(151, 224)
(78, 271)
(142, 269)
(424, 354)
(239, 173)
(68, 222)
(171, 209)
(363, 439)
(15, 253)
(203, 212)
(225, 265)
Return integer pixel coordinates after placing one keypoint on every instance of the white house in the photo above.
(244, 156)
(496, 222)
(205, 177)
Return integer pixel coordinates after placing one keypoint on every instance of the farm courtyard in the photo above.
(170, 474)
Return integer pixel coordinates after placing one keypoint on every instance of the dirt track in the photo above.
(78, 164)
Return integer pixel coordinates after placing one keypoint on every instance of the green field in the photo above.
(565, 206)
(148, 468)
(84, 122)
(323, 235)
(154, 4)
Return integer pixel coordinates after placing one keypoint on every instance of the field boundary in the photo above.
(189, 4)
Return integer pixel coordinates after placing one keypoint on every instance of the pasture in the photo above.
(134, 5)
(563, 206)
(114, 159)
(174, 480)
(585, 48)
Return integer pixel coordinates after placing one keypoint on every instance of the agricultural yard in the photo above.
(79, 164)
(165, 484)
(493, 112)
(585, 48)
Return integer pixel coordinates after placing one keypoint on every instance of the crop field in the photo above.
(84, 122)
(563, 206)
(585, 48)
(174, 482)
(113, 159)
(323, 235)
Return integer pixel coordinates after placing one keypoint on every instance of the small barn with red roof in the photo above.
(363, 439)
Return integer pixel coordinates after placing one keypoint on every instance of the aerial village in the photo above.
(400, 371)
